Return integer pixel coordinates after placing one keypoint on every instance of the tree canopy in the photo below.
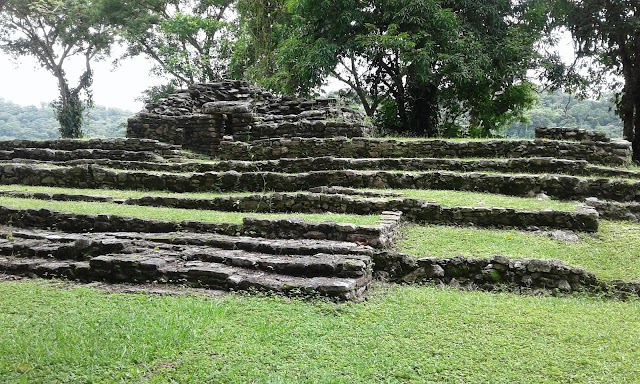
(53, 32)
(607, 32)
(189, 40)
(416, 65)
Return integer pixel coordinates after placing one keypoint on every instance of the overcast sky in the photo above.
(24, 82)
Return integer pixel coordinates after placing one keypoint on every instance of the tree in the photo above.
(263, 24)
(418, 66)
(53, 32)
(189, 40)
(608, 31)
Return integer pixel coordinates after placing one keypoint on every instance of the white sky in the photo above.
(24, 82)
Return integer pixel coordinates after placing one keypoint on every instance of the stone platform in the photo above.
(338, 270)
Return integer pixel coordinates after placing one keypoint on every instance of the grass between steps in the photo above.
(447, 198)
(172, 214)
(474, 199)
(120, 194)
(399, 335)
(612, 253)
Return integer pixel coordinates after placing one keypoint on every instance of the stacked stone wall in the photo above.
(378, 236)
(561, 187)
(310, 164)
(613, 153)
(612, 210)
(585, 219)
(576, 134)
(128, 144)
(498, 273)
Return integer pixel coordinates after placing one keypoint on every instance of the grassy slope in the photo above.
(612, 253)
(171, 214)
(402, 334)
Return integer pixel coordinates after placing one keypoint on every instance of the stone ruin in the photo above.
(200, 117)
(300, 156)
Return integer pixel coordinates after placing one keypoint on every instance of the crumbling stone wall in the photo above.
(525, 275)
(534, 165)
(198, 117)
(612, 210)
(585, 219)
(575, 134)
(87, 176)
(611, 153)
(377, 236)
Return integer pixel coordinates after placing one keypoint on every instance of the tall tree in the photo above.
(54, 32)
(189, 40)
(417, 65)
(608, 31)
(263, 24)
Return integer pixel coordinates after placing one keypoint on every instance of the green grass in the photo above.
(473, 199)
(171, 214)
(121, 194)
(448, 198)
(400, 335)
(612, 253)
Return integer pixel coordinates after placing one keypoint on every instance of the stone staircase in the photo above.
(338, 270)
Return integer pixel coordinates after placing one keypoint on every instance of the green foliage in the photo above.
(563, 110)
(70, 115)
(35, 123)
(607, 43)
(157, 92)
(189, 40)
(52, 31)
(417, 64)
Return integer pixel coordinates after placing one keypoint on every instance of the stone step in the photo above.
(192, 259)
(320, 264)
(295, 265)
(81, 249)
(262, 245)
(47, 154)
(136, 269)
(304, 247)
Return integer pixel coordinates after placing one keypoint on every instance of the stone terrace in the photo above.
(297, 156)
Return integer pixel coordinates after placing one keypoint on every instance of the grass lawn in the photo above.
(171, 214)
(400, 335)
(612, 253)
(474, 199)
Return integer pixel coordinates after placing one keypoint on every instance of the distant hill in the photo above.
(18, 122)
(562, 110)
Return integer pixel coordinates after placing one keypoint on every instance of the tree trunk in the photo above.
(424, 109)
(635, 140)
(69, 111)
